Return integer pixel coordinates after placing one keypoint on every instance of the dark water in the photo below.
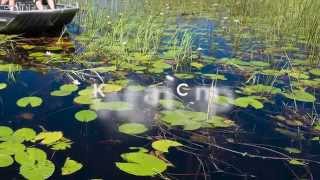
(98, 145)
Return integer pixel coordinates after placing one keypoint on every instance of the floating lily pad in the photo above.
(30, 156)
(293, 150)
(220, 122)
(60, 93)
(5, 131)
(189, 120)
(260, 88)
(215, 76)
(163, 145)
(25, 134)
(86, 116)
(141, 164)
(3, 86)
(10, 67)
(110, 88)
(48, 138)
(315, 72)
(184, 76)
(244, 102)
(40, 170)
(197, 65)
(11, 148)
(89, 91)
(5, 160)
(133, 128)
(297, 162)
(62, 144)
(84, 100)
(70, 166)
(171, 104)
(300, 95)
(69, 87)
(32, 101)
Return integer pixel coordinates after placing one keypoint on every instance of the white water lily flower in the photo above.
(48, 53)
(199, 49)
(76, 82)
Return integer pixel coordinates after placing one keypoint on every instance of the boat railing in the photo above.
(30, 6)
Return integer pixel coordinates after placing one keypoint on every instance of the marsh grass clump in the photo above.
(285, 24)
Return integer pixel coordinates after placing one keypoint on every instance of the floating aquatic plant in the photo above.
(70, 166)
(244, 102)
(31, 101)
(133, 128)
(141, 164)
(86, 116)
(191, 120)
(34, 163)
(65, 90)
(315, 72)
(163, 145)
(300, 95)
(171, 104)
(3, 86)
(260, 89)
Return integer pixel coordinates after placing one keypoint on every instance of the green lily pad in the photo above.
(189, 120)
(62, 144)
(60, 93)
(111, 88)
(5, 131)
(48, 138)
(86, 116)
(84, 100)
(163, 145)
(29, 101)
(197, 65)
(315, 72)
(11, 148)
(89, 91)
(5, 160)
(184, 76)
(244, 102)
(220, 122)
(215, 76)
(300, 95)
(10, 67)
(260, 88)
(26, 134)
(69, 87)
(293, 150)
(171, 104)
(3, 86)
(297, 162)
(141, 164)
(70, 166)
(133, 128)
(40, 170)
(30, 156)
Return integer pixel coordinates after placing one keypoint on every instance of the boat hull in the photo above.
(26, 22)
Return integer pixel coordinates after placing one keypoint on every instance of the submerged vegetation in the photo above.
(254, 67)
